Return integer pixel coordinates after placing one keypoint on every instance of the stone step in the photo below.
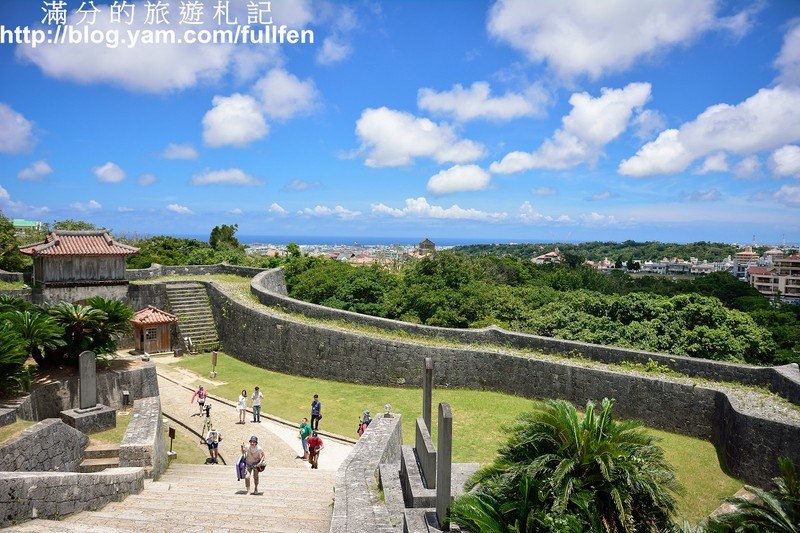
(97, 465)
(100, 451)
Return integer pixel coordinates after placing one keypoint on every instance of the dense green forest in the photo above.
(596, 250)
(714, 316)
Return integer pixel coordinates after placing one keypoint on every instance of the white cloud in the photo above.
(785, 161)
(605, 195)
(587, 37)
(459, 178)
(544, 191)
(283, 95)
(179, 151)
(301, 185)
(529, 215)
(591, 124)
(36, 171)
(12, 207)
(749, 167)
(231, 176)
(647, 123)
(476, 102)
(276, 209)
(151, 68)
(765, 121)
(710, 195)
(125, 209)
(395, 138)
(788, 195)
(788, 61)
(420, 208)
(597, 219)
(235, 211)
(16, 132)
(234, 120)
(109, 173)
(91, 205)
(333, 50)
(180, 209)
(325, 211)
(146, 179)
(714, 163)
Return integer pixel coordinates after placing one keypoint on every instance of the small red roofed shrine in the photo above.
(152, 330)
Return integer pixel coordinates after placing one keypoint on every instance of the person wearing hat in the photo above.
(316, 412)
(212, 440)
(363, 422)
(255, 461)
(314, 447)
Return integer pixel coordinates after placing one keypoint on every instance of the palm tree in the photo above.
(14, 374)
(607, 475)
(777, 511)
(115, 325)
(38, 331)
(80, 324)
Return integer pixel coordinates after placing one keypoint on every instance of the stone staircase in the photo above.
(97, 457)
(209, 498)
(190, 302)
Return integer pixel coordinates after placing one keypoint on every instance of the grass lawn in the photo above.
(12, 430)
(12, 285)
(478, 420)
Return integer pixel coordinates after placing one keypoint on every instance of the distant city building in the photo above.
(782, 279)
(550, 257)
(743, 260)
(426, 247)
(24, 228)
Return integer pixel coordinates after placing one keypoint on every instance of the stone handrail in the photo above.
(144, 444)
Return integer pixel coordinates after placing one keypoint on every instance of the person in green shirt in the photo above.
(305, 431)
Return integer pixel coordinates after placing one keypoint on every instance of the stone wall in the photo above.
(144, 444)
(27, 495)
(11, 277)
(357, 506)
(315, 350)
(49, 446)
(156, 271)
(270, 288)
(49, 399)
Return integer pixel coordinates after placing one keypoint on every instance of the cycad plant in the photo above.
(37, 330)
(14, 376)
(591, 473)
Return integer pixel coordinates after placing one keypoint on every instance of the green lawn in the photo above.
(12, 430)
(478, 420)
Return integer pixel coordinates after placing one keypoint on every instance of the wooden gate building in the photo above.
(152, 330)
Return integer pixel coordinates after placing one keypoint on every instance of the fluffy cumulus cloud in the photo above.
(231, 176)
(234, 120)
(16, 132)
(788, 61)
(476, 102)
(788, 195)
(785, 161)
(529, 215)
(325, 211)
(702, 196)
(276, 209)
(394, 138)
(420, 208)
(585, 37)
(333, 50)
(36, 171)
(146, 179)
(344, 20)
(15, 207)
(91, 205)
(179, 151)
(283, 95)
(180, 209)
(748, 168)
(109, 173)
(591, 124)
(459, 178)
(765, 121)
(714, 163)
(598, 219)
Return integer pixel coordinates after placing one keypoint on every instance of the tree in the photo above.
(293, 249)
(113, 327)
(80, 324)
(574, 259)
(224, 237)
(14, 376)
(38, 331)
(606, 475)
(10, 258)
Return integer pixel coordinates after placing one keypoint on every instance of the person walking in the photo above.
(212, 440)
(257, 397)
(316, 412)
(305, 432)
(363, 423)
(242, 407)
(255, 461)
(315, 445)
(201, 395)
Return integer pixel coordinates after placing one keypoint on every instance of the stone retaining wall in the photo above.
(49, 446)
(28, 495)
(144, 444)
(48, 400)
(156, 271)
(357, 506)
(270, 288)
(11, 277)
(748, 444)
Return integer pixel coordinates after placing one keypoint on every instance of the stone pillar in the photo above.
(444, 450)
(88, 379)
(427, 392)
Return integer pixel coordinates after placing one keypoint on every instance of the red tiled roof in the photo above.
(92, 242)
(760, 270)
(153, 316)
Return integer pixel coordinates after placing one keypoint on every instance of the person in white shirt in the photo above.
(257, 396)
(242, 406)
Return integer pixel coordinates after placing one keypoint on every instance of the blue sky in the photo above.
(506, 121)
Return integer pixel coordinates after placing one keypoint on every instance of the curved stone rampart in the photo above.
(748, 444)
(270, 288)
(156, 271)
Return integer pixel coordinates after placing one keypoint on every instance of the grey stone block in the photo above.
(89, 421)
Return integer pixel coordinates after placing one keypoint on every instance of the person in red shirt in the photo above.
(200, 394)
(314, 447)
